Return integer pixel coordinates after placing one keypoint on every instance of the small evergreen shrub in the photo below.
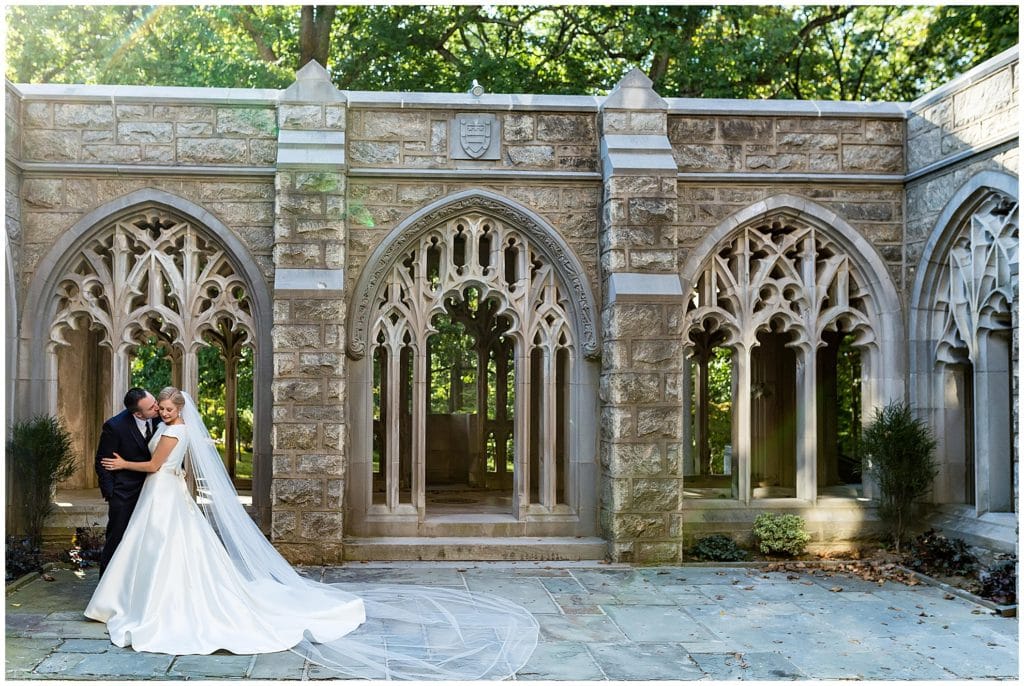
(933, 553)
(717, 548)
(781, 533)
(999, 582)
(41, 455)
(900, 451)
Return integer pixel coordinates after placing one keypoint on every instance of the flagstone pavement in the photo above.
(598, 622)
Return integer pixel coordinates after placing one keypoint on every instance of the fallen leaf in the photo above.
(836, 589)
(949, 596)
(47, 577)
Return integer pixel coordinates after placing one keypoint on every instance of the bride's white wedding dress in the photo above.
(171, 587)
(192, 578)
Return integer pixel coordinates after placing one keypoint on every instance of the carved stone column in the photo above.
(642, 360)
(308, 338)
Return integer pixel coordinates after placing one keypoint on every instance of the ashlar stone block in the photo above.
(656, 495)
(81, 116)
(145, 132)
(297, 492)
(212, 151)
(247, 121)
(50, 145)
(322, 526)
(530, 155)
(45, 193)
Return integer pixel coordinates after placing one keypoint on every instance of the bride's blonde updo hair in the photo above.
(174, 395)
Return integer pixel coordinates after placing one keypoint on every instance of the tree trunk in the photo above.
(315, 33)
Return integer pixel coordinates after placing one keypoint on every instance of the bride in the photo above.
(197, 576)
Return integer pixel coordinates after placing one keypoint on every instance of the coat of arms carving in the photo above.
(477, 136)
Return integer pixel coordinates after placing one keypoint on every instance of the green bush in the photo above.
(40, 455)
(900, 451)
(781, 533)
(717, 548)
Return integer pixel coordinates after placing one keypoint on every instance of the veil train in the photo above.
(411, 632)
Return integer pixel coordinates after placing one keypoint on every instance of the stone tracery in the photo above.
(774, 286)
(473, 256)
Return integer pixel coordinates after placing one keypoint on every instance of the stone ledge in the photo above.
(471, 548)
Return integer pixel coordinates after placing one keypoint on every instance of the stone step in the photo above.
(555, 548)
(992, 530)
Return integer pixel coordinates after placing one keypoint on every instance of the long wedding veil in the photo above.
(411, 632)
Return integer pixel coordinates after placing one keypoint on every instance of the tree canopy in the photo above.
(847, 52)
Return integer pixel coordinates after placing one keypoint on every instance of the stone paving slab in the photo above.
(598, 622)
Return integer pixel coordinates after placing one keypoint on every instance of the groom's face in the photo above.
(147, 408)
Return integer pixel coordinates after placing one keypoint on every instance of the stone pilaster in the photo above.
(641, 376)
(309, 311)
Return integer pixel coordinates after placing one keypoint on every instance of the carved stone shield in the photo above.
(475, 136)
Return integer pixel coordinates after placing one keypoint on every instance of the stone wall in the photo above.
(140, 133)
(420, 138)
(311, 180)
(966, 128)
(730, 143)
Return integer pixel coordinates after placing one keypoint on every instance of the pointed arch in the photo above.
(790, 281)
(541, 235)
(963, 312)
(483, 260)
(38, 384)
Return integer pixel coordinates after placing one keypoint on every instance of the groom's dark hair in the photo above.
(132, 398)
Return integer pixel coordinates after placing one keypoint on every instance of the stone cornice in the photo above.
(961, 82)
(786, 108)
(473, 174)
(50, 168)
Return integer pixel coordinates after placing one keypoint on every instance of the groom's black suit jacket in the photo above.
(120, 488)
(121, 435)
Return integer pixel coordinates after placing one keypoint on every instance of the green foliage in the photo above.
(41, 455)
(851, 52)
(717, 548)
(151, 366)
(719, 407)
(900, 451)
(999, 582)
(781, 533)
(934, 554)
(848, 413)
(151, 369)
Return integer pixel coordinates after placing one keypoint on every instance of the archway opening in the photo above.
(470, 441)
(711, 472)
(839, 376)
(773, 415)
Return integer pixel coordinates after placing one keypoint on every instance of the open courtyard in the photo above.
(598, 622)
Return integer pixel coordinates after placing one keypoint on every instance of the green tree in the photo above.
(901, 458)
(853, 52)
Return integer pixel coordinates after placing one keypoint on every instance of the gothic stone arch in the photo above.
(963, 321)
(788, 268)
(147, 256)
(518, 264)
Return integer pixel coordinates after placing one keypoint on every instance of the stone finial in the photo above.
(634, 92)
(313, 84)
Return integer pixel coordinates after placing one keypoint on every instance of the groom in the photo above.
(127, 434)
